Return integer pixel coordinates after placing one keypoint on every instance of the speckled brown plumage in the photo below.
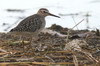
(34, 23)
(30, 24)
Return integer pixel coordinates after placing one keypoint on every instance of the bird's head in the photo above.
(45, 12)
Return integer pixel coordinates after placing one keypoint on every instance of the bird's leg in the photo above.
(22, 42)
(23, 45)
(32, 42)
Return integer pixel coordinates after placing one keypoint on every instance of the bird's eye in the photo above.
(44, 11)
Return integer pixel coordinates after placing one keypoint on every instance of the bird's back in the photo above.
(30, 24)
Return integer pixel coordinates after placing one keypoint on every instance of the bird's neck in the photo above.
(43, 16)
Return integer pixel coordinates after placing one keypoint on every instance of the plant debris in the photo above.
(51, 49)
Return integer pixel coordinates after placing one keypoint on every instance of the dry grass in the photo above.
(49, 50)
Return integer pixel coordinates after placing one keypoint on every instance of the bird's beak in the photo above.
(53, 15)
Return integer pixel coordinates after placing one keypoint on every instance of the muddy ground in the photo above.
(49, 49)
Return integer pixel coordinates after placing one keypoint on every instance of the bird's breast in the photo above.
(41, 25)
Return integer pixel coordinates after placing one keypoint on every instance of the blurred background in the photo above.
(70, 11)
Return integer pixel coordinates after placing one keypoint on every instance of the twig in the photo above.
(50, 58)
(75, 60)
(78, 23)
(90, 56)
(73, 28)
(74, 21)
(38, 63)
(2, 50)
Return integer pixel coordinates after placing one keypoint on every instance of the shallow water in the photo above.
(9, 20)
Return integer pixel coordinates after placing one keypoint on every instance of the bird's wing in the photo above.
(30, 24)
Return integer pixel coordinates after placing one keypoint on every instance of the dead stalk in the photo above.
(75, 60)
(68, 33)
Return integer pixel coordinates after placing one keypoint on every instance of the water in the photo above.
(9, 20)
